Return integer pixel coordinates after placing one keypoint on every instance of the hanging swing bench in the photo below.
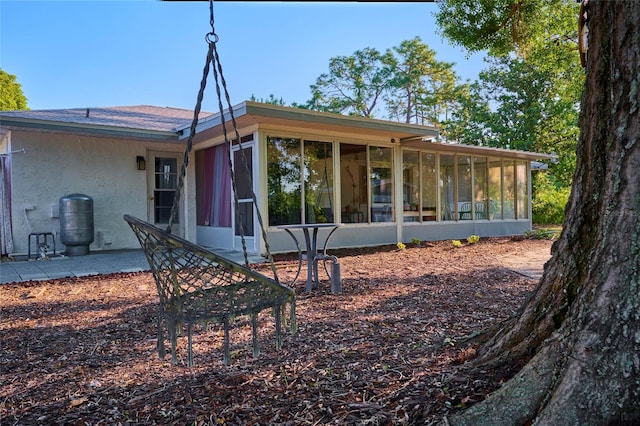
(196, 285)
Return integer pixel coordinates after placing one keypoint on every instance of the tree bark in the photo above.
(580, 330)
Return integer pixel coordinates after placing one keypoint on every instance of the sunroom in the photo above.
(384, 182)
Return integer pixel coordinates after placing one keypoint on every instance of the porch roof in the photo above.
(410, 135)
(458, 148)
(249, 113)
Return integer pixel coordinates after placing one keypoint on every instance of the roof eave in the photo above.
(256, 109)
(98, 130)
(299, 114)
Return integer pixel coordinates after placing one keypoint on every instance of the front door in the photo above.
(163, 176)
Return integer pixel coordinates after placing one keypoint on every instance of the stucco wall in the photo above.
(55, 165)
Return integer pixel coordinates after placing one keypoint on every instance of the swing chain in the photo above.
(219, 79)
(211, 37)
(214, 60)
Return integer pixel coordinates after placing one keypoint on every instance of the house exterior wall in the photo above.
(57, 162)
(55, 165)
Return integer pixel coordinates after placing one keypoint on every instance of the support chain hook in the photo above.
(212, 37)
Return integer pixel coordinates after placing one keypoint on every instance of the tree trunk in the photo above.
(580, 330)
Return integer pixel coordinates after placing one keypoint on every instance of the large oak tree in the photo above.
(579, 333)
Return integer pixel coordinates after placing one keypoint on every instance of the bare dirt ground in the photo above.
(386, 351)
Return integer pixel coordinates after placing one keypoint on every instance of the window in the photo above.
(243, 168)
(495, 189)
(447, 188)
(354, 183)
(381, 177)
(429, 186)
(468, 187)
(465, 204)
(480, 188)
(411, 186)
(284, 184)
(318, 182)
(166, 182)
(509, 188)
(214, 192)
(522, 190)
(366, 190)
(293, 177)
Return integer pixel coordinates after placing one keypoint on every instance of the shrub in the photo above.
(472, 239)
(548, 201)
(401, 246)
(456, 243)
(415, 241)
(542, 234)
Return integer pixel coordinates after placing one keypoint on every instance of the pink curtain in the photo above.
(6, 239)
(216, 188)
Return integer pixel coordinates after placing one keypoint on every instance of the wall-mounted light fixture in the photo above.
(142, 164)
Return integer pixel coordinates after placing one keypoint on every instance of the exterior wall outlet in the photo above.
(54, 210)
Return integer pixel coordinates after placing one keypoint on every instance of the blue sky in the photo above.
(68, 54)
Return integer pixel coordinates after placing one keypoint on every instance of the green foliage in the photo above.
(449, 341)
(272, 100)
(542, 234)
(11, 95)
(532, 109)
(415, 241)
(549, 201)
(354, 84)
(472, 239)
(423, 88)
(456, 243)
(401, 246)
(413, 85)
(528, 98)
(497, 26)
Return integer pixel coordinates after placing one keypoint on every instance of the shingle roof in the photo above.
(141, 117)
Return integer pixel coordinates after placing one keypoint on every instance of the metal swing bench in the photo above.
(196, 285)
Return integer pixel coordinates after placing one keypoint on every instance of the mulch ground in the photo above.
(385, 351)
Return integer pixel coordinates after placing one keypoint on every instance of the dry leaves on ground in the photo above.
(386, 351)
